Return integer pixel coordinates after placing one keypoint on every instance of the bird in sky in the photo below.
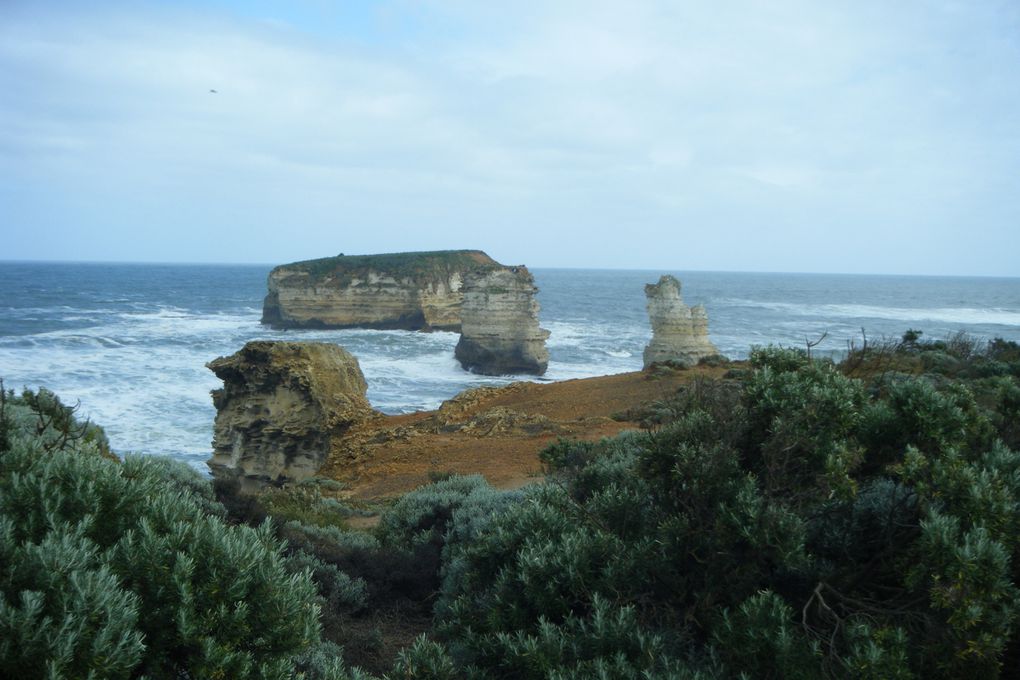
(213, 92)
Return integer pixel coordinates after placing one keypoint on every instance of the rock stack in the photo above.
(499, 323)
(679, 332)
(280, 407)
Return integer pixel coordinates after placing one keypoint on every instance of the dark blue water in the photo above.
(131, 341)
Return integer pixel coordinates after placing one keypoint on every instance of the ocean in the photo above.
(129, 342)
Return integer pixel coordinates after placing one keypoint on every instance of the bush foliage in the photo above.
(121, 569)
(797, 519)
(794, 523)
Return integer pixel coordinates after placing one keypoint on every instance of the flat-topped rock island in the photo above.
(410, 291)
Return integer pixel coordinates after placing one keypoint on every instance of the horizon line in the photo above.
(534, 268)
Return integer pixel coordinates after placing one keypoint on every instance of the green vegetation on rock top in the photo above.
(417, 266)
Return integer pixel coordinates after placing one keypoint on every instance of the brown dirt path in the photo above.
(495, 432)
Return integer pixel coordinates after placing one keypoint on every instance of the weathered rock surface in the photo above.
(679, 332)
(499, 323)
(281, 405)
(413, 291)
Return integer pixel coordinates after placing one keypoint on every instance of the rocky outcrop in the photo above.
(679, 332)
(499, 324)
(413, 291)
(281, 405)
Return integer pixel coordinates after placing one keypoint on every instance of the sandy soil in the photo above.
(495, 432)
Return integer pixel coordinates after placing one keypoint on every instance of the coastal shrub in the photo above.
(320, 539)
(802, 419)
(62, 610)
(790, 521)
(425, 659)
(567, 455)
(389, 572)
(179, 476)
(323, 661)
(552, 570)
(720, 398)
(915, 412)
(430, 523)
(796, 519)
(780, 359)
(53, 423)
(339, 592)
(425, 514)
(114, 570)
(421, 267)
(760, 639)
(1008, 412)
(304, 503)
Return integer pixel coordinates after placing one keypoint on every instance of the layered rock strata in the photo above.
(281, 405)
(413, 291)
(499, 324)
(679, 332)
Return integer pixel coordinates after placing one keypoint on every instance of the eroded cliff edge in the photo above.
(281, 406)
(411, 291)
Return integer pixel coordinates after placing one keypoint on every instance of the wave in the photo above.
(955, 315)
(136, 359)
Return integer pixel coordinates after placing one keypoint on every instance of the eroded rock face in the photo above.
(499, 324)
(281, 405)
(412, 291)
(679, 332)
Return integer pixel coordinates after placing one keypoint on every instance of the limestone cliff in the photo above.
(413, 291)
(499, 324)
(280, 407)
(679, 332)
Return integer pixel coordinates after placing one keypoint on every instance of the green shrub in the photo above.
(426, 660)
(338, 591)
(117, 570)
(780, 359)
(304, 503)
(63, 612)
(787, 521)
(760, 640)
(793, 524)
(324, 661)
(802, 425)
(425, 528)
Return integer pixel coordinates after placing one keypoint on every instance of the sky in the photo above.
(864, 136)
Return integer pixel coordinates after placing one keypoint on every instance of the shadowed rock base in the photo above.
(502, 357)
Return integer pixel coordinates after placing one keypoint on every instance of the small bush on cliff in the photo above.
(119, 570)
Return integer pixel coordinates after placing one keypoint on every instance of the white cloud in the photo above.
(644, 122)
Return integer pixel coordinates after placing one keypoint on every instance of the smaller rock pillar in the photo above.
(679, 332)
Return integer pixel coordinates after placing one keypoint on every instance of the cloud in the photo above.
(563, 133)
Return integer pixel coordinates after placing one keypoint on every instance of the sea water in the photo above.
(129, 342)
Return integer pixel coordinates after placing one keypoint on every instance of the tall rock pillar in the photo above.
(499, 323)
(679, 332)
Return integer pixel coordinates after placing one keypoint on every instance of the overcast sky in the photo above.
(784, 135)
